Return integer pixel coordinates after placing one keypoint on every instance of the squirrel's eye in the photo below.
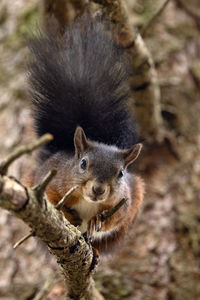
(121, 173)
(83, 164)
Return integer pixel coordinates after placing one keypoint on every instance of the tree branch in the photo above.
(62, 202)
(22, 240)
(154, 18)
(64, 240)
(4, 165)
(106, 214)
(143, 78)
(40, 188)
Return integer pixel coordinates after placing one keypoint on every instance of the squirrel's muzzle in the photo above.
(94, 191)
(98, 190)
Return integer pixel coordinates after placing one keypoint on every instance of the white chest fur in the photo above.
(86, 211)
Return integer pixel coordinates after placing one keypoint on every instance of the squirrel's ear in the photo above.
(130, 155)
(80, 141)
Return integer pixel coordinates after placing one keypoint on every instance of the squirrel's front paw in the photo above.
(94, 225)
(95, 260)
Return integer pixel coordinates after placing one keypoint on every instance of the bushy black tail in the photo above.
(80, 80)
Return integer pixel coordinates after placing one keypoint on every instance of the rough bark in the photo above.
(143, 77)
(73, 254)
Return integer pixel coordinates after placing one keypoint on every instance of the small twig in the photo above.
(62, 202)
(108, 213)
(49, 283)
(153, 19)
(22, 240)
(40, 188)
(4, 165)
(1, 183)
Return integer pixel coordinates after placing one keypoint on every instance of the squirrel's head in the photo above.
(100, 169)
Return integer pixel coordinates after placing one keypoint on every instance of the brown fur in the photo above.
(121, 220)
(69, 173)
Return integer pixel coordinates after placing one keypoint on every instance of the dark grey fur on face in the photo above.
(108, 164)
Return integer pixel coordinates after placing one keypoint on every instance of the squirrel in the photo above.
(80, 93)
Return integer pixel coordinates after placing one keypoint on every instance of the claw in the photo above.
(95, 260)
(98, 223)
(94, 225)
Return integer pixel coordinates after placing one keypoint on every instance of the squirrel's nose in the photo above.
(98, 190)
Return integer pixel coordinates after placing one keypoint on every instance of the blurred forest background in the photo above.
(161, 258)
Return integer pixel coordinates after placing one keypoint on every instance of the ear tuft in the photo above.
(130, 155)
(81, 143)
